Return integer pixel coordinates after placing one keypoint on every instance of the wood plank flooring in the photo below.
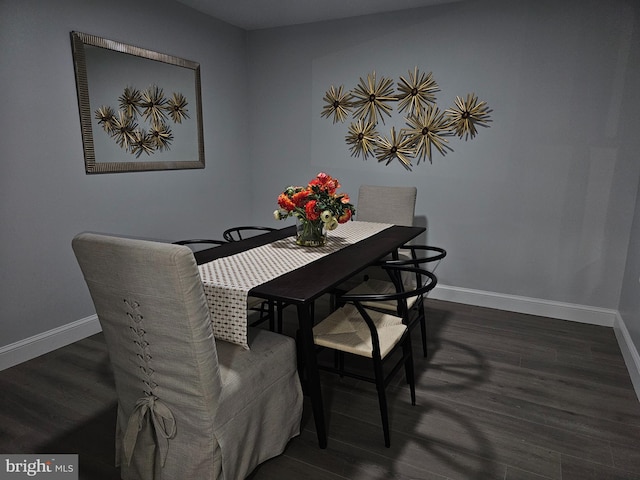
(501, 396)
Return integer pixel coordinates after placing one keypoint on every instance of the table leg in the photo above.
(305, 320)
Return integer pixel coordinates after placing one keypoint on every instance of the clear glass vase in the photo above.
(310, 233)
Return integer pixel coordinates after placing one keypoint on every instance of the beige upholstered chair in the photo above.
(360, 330)
(386, 204)
(189, 407)
(382, 204)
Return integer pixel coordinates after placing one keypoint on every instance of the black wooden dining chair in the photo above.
(238, 233)
(192, 242)
(419, 256)
(362, 330)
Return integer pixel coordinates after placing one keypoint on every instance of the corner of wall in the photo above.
(629, 352)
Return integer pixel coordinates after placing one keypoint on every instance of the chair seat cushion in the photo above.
(383, 287)
(346, 330)
(249, 366)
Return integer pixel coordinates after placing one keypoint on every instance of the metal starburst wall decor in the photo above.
(426, 126)
(150, 106)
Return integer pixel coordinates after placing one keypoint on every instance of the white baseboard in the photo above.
(46, 342)
(629, 352)
(532, 306)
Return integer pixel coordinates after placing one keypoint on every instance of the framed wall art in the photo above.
(140, 110)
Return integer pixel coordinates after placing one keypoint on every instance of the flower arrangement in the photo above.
(317, 206)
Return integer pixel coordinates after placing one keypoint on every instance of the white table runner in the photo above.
(227, 280)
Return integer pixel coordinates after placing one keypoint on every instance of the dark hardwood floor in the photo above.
(501, 396)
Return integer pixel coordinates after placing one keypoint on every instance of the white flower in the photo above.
(276, 215)
(332, 224)
(325, 216)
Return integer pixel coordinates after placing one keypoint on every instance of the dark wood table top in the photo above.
(307, 283)
(231, 248)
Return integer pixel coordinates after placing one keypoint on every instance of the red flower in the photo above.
(300, 197)
(345, 217)
(310, 210)
(326, 183)
(285, 202)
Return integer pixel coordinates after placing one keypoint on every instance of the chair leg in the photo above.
(279, 313)
(408, 368)
(270, 313)
(423, 327)
(423, 331)
(382, 400)
(300, 358)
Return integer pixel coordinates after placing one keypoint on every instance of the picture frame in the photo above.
(140, 110)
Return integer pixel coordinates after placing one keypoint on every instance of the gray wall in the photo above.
(629, 306)
(539, 205)
(46, 198)
(630, 298)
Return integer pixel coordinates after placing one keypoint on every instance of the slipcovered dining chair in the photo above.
(189, 406)
(381, 204)
(359, 329)
(386, 204)
(419, 256)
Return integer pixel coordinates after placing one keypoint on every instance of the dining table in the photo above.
(302, 286)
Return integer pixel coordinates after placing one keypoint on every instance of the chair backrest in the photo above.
(426, 282)
(419, 255)
(192, 241)
(153, 312)
(238, 233)
(197, 244)
(386, 204)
